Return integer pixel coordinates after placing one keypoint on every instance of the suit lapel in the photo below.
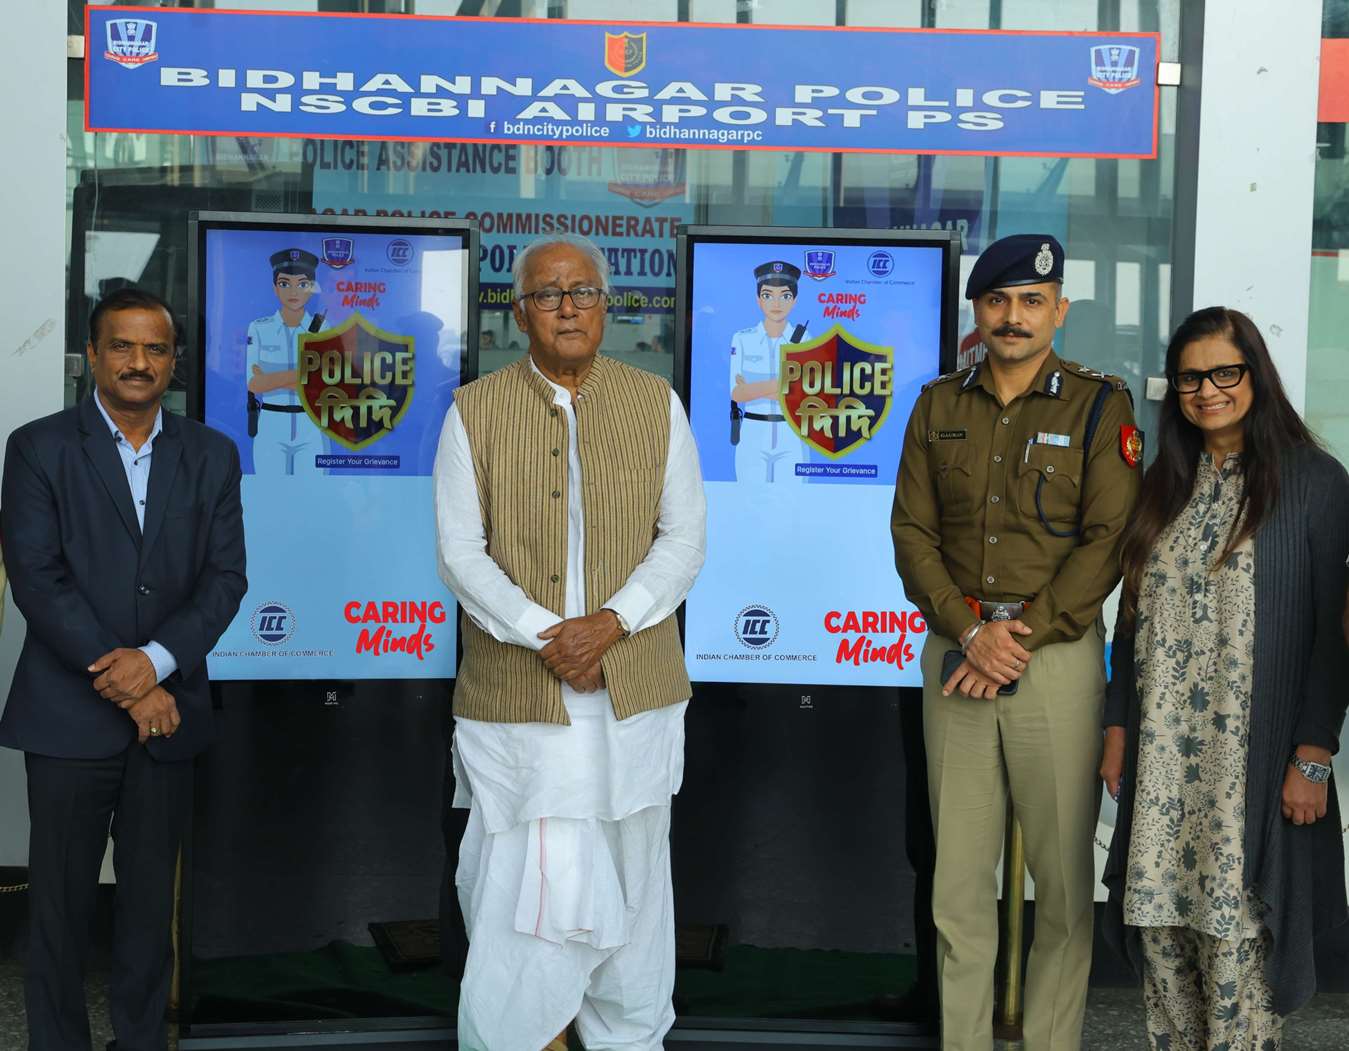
(168, 450)
(101, 448)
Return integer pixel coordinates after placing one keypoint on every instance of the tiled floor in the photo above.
(1114, 1019)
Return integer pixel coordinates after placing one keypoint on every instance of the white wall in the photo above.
(32, 295)
(1257, 166)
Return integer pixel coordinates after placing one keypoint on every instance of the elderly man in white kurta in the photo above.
(571, 525)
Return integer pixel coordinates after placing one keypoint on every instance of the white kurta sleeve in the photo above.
(496, 603)
(658, 585)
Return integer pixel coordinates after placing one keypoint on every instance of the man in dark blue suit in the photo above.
(123, 536)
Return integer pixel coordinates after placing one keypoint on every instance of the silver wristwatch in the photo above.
(622, 622)
(1316, 773)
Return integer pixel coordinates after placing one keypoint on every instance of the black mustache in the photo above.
(1010, 330)
(137, 376)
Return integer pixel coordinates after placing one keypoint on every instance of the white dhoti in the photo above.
(564, 877)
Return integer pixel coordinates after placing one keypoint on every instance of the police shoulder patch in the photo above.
(958, 374)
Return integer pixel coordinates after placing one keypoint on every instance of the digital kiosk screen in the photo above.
(804, 353)
(332, 351)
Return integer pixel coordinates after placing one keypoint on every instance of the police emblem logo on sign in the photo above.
(1114, 68)
(339, 252)
(355, 381)
(624, 53)
(835, 391)
(647, 177)
(131, 42)
(820, 264)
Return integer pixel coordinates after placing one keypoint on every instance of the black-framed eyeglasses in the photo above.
(1222, 377)
(583, 297)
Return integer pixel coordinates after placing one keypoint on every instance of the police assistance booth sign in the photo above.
(683, 85)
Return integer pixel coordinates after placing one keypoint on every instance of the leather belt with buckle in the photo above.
(767, 417)
(268, 407)
(986, 610)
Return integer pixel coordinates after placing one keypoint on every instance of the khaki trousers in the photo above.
(1043, 747)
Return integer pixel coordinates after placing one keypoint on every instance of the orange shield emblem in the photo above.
(624, 53)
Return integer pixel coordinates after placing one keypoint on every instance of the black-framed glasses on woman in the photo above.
(583, 297)
(1222, 377)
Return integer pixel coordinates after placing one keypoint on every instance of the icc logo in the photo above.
(272, 623)
(881, 264)
(756, 627)
(400, 252)
(131, 42)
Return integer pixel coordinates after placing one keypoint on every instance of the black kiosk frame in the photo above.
(297, 762)
(787, 762)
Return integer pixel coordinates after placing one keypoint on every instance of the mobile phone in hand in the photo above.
(952, 660)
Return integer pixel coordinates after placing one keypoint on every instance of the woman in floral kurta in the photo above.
(1209, 698)
(1196, 631)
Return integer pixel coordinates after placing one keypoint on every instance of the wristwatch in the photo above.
(622, 624)
(1316, 773)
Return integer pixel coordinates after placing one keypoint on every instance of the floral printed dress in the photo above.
(1196, 635)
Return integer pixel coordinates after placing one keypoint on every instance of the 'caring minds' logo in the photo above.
(756, 627)
(272, 623)
(131, 42)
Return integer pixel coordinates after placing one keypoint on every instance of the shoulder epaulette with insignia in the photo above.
(958, 374)
(1092, 374)
(262, 320)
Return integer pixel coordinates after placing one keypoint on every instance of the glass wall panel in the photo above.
(885, 12)
(1327, 345)
(714, 10)
(627, 10)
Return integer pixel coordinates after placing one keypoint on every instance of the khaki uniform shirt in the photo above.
(985, 489)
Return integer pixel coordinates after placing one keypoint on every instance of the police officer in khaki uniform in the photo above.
(1016, 480)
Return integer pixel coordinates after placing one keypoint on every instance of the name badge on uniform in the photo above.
(1045, 438)
(948, 436)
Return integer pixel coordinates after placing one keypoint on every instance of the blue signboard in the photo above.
(670, 85)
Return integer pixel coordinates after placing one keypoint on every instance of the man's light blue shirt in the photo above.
(136, 463)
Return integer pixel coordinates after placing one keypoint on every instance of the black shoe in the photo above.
(916, 1006)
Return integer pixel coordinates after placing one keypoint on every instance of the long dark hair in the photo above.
(1271, 427)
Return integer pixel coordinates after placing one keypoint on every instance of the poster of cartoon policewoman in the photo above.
(331, 350)
(803, 354)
